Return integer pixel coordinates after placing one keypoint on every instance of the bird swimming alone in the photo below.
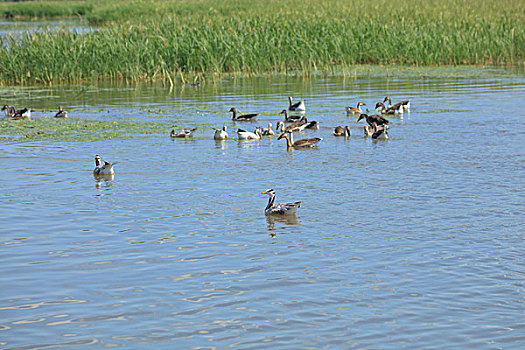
(279, 208)
(105, 169)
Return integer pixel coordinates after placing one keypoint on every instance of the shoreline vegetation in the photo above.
(189, 40)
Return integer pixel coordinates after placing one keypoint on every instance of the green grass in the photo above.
(177, 40)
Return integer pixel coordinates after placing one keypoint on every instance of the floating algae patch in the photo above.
(73, 129)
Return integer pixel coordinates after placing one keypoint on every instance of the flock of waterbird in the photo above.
(295, 120)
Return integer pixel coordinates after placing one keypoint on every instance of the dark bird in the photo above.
(245, 117)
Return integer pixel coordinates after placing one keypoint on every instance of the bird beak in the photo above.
(264, 192)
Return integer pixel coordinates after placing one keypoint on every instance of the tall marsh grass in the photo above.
(155, 39)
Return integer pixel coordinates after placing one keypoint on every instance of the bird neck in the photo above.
(270, 201)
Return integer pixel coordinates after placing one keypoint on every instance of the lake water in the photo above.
(415, 242)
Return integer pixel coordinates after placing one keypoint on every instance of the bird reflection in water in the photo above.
(104, 180)
(279, 219)
(221, 144)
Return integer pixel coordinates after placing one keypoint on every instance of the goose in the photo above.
(373, 120)
(244, 117)
(355, 110)
(297, 107)
(105, 169)
(11, 113)
(381, 133)
(311, 142)
(340, 131)
(311, 125)
(390, 110)
(296, 126)
(247, 135)
(268, 131)
(279, 208)
(221, 134)
(61, 113)
(291, 118)
(183, 133)
(404, 104)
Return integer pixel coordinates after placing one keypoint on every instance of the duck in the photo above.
(340, 131)
(221, 134)
(268, 131)
(105, 169)
(404, 104)
(247, 135)
(291, 118)
(183, 133)
(61, 113)
(355, 110)
(301, 143)
(297, 107)
(390, 110)
(242, 117)
(279, 208)
(374, 120)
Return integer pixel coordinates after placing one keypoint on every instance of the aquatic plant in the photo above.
(177, 40)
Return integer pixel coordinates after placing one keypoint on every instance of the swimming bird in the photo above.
(61, 113)
(183, 133)
(221, 134)
(268, 131)
(314, 124)
(373, 120)
(279, 208)
(355, 110)
(241, 117)
(301, 143)
(247, 135)
(8, 111)
(390, 110)
(23, 113)
(297, 107)
(381, 133)
(404, 104)
(11, 113)
(291, 118)
(296, 126)
(105, 169)
(340, 131)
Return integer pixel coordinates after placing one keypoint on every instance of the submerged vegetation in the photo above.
(140, 40)
(73, 129)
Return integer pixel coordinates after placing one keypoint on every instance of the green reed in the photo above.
(175, 40)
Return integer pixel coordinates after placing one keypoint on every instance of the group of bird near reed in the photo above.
(295, 120)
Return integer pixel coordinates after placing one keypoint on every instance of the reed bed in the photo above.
(174, 40)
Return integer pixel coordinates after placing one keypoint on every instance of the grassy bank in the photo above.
(156, 39)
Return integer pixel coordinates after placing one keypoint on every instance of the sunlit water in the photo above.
(414, 242)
